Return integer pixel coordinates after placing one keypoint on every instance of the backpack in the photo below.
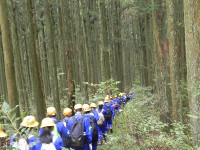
(94, 130)
(100, 122)
(108, 115)
(77, 137)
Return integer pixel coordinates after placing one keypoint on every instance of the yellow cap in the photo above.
(86, 107)
(29, 121)
(47, 122)
(78, 106)
(121, 94)
(93, 105)
(108, 96)
(107, 99)
(101, 103)
(67, 112)
(115, 96)
(2, 134)
(51, 111)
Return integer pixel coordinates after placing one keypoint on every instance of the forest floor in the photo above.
(139, 127)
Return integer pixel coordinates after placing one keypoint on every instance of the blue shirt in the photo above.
(96, 115)
(132, 94)
(108, 105)
(65, 122)
(92, 115)
(124, 98)
(86, 124)
(58, 143)
(116, 100)
(99, 110)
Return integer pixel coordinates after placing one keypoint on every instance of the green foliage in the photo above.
(102, 89)
(10, 118)
(181, 139)
(139, 127)
(79, 95)
(138, 8)
(105, 88)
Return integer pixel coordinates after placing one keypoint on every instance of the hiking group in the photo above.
(84, 131)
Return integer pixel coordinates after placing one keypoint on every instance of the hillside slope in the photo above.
(139, 127)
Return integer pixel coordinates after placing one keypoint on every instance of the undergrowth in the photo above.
(139, 127)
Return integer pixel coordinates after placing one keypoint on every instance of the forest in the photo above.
(63, 52)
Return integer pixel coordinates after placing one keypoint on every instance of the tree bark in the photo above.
(3, 86)
(51, 57)
(192, 40)
(68, 53)
(162, 61)
(173, 55)
(33, 63)
(8, 57)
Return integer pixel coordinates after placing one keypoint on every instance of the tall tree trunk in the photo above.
(82, 62)
(3, 86)
(8, 57)
(44, 63)
(68, 53)
(161, 56)
(117, 42)
(18, 66)
(143, 22)
(33, 63)
(105, 66)
(51, 57)
(61, 61)
(173, 55)
(192, 40)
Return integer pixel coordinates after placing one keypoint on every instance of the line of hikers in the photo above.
(84, 131)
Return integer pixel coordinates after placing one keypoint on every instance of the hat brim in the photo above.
(93, 106)
(49, 125)
(31, 126)
(51, 114)
(3, 134)
(87, 110)
(68, 115)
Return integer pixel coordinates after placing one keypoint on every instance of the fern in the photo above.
(9, 115)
